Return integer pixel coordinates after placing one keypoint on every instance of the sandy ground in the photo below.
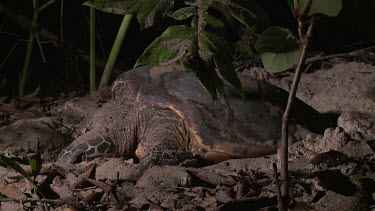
(330, 171)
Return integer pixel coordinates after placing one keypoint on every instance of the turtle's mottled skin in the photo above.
(163, 116)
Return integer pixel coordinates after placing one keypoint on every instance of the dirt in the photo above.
(329, 171)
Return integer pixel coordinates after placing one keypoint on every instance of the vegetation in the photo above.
(205, 35)
(199, 36)
(6, 161)
(279, 50)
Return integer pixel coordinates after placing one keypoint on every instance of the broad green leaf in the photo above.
(330, 8)
(291, 5)
(150, 11)
(221, 52)
(191, 2)
(168, 47)
(213, 22)
(248, 12)
(120, 7)
(147, 11)
(14, 165)
(242, 47)
(184, 13)
(243, 51)
(206, 75)
(205, 3)
(278, 49)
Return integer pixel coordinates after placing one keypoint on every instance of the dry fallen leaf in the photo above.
(12, 191)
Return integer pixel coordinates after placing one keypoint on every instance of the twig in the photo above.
(280, 200)
(40, 48)
(285, 124)
(109, 189)
(47, 35)
(333, 56)
(62, 24)
(48, 201)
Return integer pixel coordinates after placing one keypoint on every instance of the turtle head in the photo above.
(128, 85)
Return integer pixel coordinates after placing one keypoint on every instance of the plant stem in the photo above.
(25, 70)
(115, 50)
(285, 124)
(281, 205)
(92, 49)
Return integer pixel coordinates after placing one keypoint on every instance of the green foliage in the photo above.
(330, 8)
(34, 24)
(26, 67)
(248, 12)
(14, 165)
(278, 49)
(219, 48)
(183, 13)
(194, 46)
(206, 75)
(147, 11)
(35, 162)
(168, 47)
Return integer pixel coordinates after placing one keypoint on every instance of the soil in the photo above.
(330, 171)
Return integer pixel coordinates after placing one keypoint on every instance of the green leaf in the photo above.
(278, 49)
(168, 47)
(184, 13)
(147, 11)
(11, 163)
(150, 11)
(35, 163)
(206, 75)
(120, 7)
(213, 22)
(243, 51)
(206, 4)
(248, 12)
(242, 47)
(191, 2)
(221, 52)
(330, 8)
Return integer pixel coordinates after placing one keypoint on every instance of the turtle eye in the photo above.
(116, 86)
(127, 86)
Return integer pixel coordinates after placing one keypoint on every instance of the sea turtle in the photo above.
(162, 115)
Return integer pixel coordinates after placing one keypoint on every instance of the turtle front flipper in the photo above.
(79, 151)
(164, 139)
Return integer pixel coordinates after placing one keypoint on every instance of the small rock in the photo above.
(333, 139)
(222, 197)
(330, 159)
(357, 149)
(359, 126)
(334, 201)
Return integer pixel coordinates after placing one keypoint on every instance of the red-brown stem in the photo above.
(285, 124)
